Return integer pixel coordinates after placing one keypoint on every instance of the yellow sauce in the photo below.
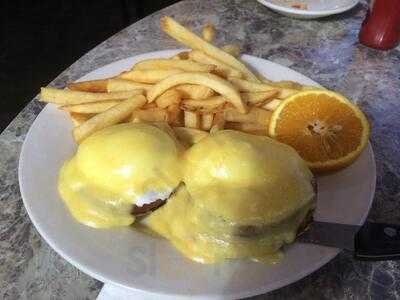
(113, 168)
(195, 233)
(245, 197)
(242, 196)
(247, 178)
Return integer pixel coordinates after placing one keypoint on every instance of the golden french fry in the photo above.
(122, 85)
(148, 76)
(272, 105)
(149, 105)
(175, 115)
(249, 86)
(218, 122)
(233, 50)
(210, 105)
(90, 108)
(287, 84)
(181, 55)
(264, 79)
(170, 97)
(150, 115)
(207, 121)
(191, 119)
(189, 136)
(78, 118)
(245, 126)
(216, 103)
(169, 64)
(253, 128)
(112, 116)
(221, 86)
(66, 97)
(222, 69)
(94, 86)
(255, 115)
(194, 91)
(258, 98)
(311, 87)
(208, 33)
(191, 40)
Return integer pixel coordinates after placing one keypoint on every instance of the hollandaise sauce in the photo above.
(244, 197)
(206, 238)
(116, 168)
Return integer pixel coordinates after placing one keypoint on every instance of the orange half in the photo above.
(326, 129)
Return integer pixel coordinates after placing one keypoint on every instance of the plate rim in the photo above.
(88, 270)
(301, 12)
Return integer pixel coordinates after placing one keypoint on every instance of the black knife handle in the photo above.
(377, 241)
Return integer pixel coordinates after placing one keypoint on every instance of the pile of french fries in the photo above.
(207, 88)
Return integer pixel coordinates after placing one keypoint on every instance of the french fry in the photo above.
(112, 116)
(214, 82)
(122, 85)
(216, 103)
(149, 105)
(189, 136)
(191, 119)
(258, 98)
(181, 55)
(188, 38)
(94, 86)
(264, 79)
(150, 115)
(206, 121)
(148, 76)
(253, 128)
(66, 97)
(210, 105)
(194, 91)
(77, 118)
(170, 97)
(175, 115)
(233, 50)
(255, 115)
(208, 33)
(169, 64)
(218, 122)
(90, 108)
(249, 86)
(272, 105)
(222, 69)
(311, 87)
(287, 84)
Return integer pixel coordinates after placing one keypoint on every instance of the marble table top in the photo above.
(325, 50)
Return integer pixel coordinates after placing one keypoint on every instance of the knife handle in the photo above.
(377, 241)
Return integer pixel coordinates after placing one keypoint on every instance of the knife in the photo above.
(372, 241)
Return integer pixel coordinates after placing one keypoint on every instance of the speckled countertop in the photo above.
(326, 51)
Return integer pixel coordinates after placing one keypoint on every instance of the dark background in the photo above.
(39, 39)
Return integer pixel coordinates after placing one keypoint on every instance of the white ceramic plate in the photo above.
(138, 261)
(315, 8)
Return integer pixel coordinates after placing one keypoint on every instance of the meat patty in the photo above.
(252, 231)
(147, 208)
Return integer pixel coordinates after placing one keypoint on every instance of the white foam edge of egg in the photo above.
(151, 196)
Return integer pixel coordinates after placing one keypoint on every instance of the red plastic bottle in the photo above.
(381, 27)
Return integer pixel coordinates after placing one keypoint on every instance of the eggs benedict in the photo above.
(120, 171)
(228, 195)
(245, 196)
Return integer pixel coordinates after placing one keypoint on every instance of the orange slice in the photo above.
(326, 129)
